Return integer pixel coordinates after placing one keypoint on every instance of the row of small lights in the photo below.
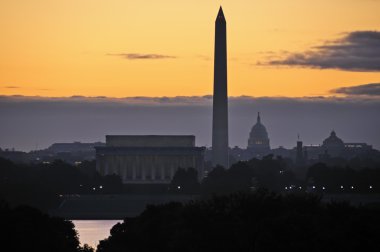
(323, 188)
(94, 188)
(292, 187)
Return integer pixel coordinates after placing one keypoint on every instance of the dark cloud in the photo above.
(372, 89)
(356, 51)
(27, 122)
(140, 56)
(11, 87)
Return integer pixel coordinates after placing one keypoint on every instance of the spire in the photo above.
(220, 100)
(258, 118)
(220, 16)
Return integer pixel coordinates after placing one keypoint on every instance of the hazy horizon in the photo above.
(30, 123)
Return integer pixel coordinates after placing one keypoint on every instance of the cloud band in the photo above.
(356, 51)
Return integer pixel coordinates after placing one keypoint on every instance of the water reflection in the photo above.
(91, 231)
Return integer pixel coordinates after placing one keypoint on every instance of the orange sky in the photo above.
(65, 47)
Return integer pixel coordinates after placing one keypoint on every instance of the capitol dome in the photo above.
(258, 137)
(333, 141)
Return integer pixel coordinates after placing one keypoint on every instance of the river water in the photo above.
(91, 231)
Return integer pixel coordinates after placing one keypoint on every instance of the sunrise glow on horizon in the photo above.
(126, 48)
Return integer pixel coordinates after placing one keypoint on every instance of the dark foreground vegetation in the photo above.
(279, 175)
(42, 185)
(234, 215)
(27, 229)
(259, 221)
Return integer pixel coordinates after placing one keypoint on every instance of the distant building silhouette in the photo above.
(220, 100)
(258, 142)
(302, 155)
(300, 159)
(148, 159)
(73, 153)
(333, 145)
(73, 147)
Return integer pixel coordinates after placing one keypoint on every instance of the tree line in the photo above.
(235, 213)
(259, 221)
(276, 174)
(42, 185)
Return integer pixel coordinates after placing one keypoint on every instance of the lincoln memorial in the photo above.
(150, 159)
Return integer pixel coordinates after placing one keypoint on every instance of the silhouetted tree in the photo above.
(260, 221)
(86, 248)
(88, 168)
(27, 229)
(344, 179)
(249, 175)
(215, 182)
(111, 184)
(40, 185)
(185, 181)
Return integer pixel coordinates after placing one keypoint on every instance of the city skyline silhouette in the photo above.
(83, 111)
(123, 129)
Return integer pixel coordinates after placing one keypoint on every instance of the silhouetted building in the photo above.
(73, 147)
(333, 145)
(148, 159)
(302, 155)
(305, 155)
(357, 148)
(300, 160)
(258, 142)
(220, 100)
(73, 153)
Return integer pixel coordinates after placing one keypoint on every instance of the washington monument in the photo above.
(220, 102)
